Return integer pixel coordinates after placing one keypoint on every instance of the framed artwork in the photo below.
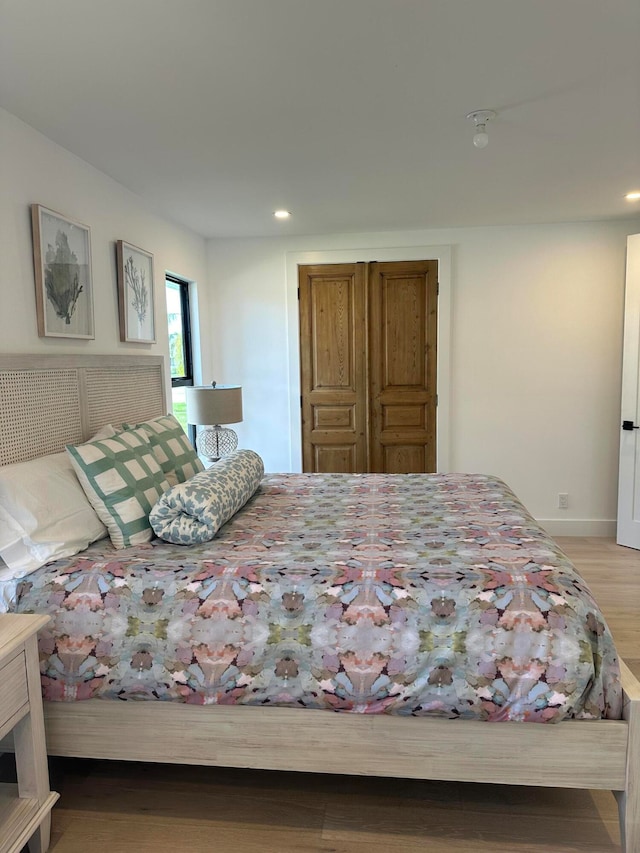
(64, 288)
(135, 294)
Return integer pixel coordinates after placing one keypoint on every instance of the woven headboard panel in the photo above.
(49, 401)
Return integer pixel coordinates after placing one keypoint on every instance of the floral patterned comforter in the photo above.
(404, 594)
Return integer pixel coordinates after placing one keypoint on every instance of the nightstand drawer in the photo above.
(13, 691)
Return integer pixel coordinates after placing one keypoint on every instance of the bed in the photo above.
(57, 400)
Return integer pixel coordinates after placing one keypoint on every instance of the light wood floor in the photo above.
(151, 808)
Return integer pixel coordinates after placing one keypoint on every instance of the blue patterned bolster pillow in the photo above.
(194, 511)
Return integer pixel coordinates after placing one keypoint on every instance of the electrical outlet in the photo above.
(563, 500)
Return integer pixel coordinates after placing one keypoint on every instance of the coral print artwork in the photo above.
(62, 261)
(135, 294)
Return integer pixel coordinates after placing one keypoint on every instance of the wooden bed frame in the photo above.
(85, 392)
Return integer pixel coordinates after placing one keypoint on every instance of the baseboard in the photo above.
(579, 526)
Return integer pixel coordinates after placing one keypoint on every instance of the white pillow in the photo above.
(44, 513)
(8, 588)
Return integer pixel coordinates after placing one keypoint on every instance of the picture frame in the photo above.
(63, 277)
(136, 303)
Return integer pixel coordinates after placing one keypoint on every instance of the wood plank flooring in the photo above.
(118, 806)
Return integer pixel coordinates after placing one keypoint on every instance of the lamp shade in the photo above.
(219, 404)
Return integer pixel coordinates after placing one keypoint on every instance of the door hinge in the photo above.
(436, 399)
(300, 400)
(298, 294)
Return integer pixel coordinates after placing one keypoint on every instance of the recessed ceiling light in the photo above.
(281, 214)
(634, 196)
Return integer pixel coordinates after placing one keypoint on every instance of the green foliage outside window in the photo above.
(180, 411)
(176, 354)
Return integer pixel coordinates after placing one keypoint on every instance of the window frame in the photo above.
(187, 379)
(185, 307)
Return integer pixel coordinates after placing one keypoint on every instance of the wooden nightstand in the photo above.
(25, 808)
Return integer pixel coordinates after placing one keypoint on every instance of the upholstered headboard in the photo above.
(48, 401)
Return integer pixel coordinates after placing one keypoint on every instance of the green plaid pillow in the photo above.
(122, 480)
(172, 448)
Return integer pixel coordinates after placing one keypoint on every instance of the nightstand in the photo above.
(25, 807)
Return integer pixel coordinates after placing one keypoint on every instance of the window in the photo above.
(178, 319)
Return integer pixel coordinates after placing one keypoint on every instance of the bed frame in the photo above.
(48, 401)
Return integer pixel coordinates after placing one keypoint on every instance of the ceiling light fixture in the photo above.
(281, 214)
(634, 196)
(480, 119)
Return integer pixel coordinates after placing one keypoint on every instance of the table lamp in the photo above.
(210, 406)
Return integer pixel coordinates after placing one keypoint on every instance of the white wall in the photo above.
(536, 325)
(35, 170)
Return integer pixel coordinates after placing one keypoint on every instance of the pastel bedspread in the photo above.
(406, 594)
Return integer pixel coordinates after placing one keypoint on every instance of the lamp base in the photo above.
(213, 442)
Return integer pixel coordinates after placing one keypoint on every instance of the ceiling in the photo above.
(349, 113)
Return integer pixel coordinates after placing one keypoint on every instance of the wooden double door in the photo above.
(368, 351)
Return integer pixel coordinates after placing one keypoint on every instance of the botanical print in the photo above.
(135, 291)
(413, 594)
(63, 276)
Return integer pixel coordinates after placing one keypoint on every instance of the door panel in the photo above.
(629, 474)
(333, 367)
(368, 366)
(331, 326)
(404, 459)
(333, 417)
(402, 366)
(403, 310)
(340, 459)
(403, 416)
